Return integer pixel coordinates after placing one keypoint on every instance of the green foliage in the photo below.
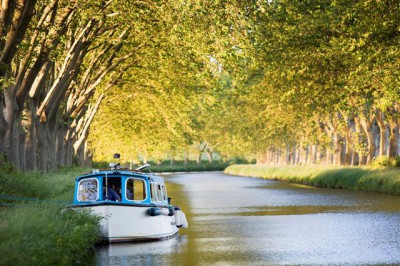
(45, 231)
(385, 161)
(171, 100)
(317, 65)
(385, 180)
(54, 185)
(42, 235)
(5, 165)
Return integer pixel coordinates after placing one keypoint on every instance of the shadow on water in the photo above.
(248, 221)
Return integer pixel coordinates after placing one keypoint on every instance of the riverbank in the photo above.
(384, 179)
(179, 166)
(35, 225)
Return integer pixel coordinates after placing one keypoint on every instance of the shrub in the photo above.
(386, 161)
(40, 229)
(42, 235)
(5, 165)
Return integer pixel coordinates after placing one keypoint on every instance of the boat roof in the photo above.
(122, 172)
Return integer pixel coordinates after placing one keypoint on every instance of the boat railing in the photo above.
(139, 169)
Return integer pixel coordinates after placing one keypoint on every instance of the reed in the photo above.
(37, 227)
(381, 179)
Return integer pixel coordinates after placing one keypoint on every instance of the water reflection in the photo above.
(246, 221)
(148, 253)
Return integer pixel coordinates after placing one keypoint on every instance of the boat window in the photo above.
(88, 190)
(164, 193)
(112, 188)
(135, 189)
(153, 192)
(159, 193)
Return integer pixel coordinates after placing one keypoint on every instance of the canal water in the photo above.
(247, 221)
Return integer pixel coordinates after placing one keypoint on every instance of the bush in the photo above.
(42, 235)
(5, 165)
(39, 228)
(386, 161)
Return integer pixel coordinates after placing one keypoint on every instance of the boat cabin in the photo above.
(120, 187)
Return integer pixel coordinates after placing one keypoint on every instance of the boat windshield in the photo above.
(135, 189)
(88, 190)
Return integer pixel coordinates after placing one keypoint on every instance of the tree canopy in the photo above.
(287, 81)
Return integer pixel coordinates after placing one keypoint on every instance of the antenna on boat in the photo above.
(117, 165)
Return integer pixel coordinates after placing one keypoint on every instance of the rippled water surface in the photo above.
(247, 221)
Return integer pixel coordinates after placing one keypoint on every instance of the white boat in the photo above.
(133, 205)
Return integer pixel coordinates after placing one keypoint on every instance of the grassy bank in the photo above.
(179, 166)
(35, 226)
(189, 167)
(385, 180)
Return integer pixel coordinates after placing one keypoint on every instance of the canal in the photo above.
(247, 221)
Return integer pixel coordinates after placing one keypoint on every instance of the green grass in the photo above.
(54, 185)
(43, 231)
(383, 179)
(189, 167)
(180, 166)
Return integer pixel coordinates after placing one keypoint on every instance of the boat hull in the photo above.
(124, 223)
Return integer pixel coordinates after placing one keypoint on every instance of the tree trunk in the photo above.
(209, 154)
(198, 160)
(380, 119)
(337, 147)
(11, 116)
(328, 155)
(303, 154)
(41, 156)
(393, 138)
(348, 142)
(51, 132)
(14, 23)
(21, 137)
(362, 158)
(185, 159)
(354, 158)
(3, 126)
(270, 156)
(367, 127)
(288, 154)
(87, 156)
(279, 157)
(314, 154)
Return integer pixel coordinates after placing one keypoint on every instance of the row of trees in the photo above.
(303, 82)
(291, 81)
(172, 106)
(59, 59)
(328, 76)
(142, 61)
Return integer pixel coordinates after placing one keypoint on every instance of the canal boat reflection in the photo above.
(148, 253)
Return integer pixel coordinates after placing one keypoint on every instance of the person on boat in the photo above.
(111, 194)
(129, 192)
